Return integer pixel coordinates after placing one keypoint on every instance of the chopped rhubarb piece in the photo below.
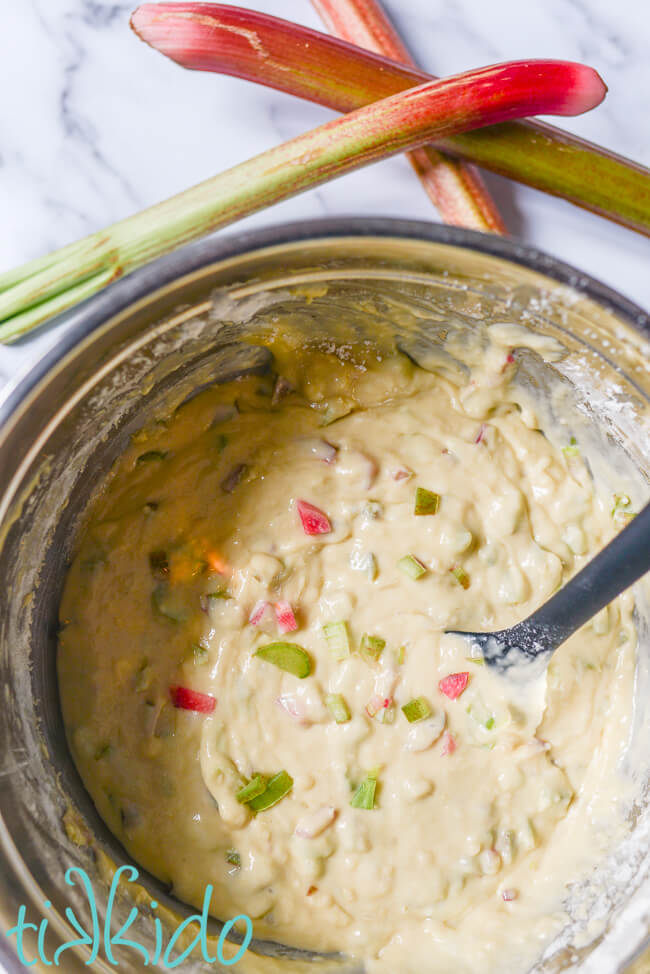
(453, 685)
(313, 825)
(412, 567)
(461, 576)
(621, 501)
(276, 789)
(508, 361)
(259, 611)
(186, 699)
(621, 511)
(285, 616)
(255, 787)
(448, 743)
(481, 433)
(364, 561)
(313, 520)
(159, 565)
(293, 706)
(234, 478)
(508, 895)
(320, 449)
(217, 564)
(281, 389)
(426, 501)
(364, 796)
(372, 510)
(152, 455)
(288, 657)
(416, 709)
(374, 705)
(402, 473)
(337, 707)
(371, 647)
(338, 639)
(572, 450)
(377, 704)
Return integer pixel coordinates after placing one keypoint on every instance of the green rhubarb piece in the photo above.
(276, 789)
(371, 647)
(337, 707)
(572, 449)
(167, 604)
(200, 654)
(364, 562)
(480, 713)
(426, 501)
(219, 593)
(152, 455)
(412, 567)
(338, 639)
(620, 501)
(143, 676)
(255, 787)
(364, 796)
(461, 576)
(621, 509)
(334, 411)
(372, 510)
(416, 709)
(288, 657)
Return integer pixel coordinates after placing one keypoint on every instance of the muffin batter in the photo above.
(257, 688)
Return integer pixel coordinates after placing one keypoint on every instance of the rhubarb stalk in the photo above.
(312, 65)
(455, 187)
(404, 121)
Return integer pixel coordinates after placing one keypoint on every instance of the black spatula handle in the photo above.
(621, 563)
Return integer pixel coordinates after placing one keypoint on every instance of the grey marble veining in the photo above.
(94, 125)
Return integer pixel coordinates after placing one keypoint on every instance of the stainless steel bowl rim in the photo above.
(90, 314)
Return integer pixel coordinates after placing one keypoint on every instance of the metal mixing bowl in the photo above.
(200, 316)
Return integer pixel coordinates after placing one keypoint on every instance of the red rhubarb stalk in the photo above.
(454, 187)
(322, 69)
(403, 121)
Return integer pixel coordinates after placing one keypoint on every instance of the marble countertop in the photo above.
(97, 126)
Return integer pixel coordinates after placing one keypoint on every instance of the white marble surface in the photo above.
(94, 125)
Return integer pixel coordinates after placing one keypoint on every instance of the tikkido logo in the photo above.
(99, 937)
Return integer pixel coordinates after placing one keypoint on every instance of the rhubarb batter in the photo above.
(257, 688)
